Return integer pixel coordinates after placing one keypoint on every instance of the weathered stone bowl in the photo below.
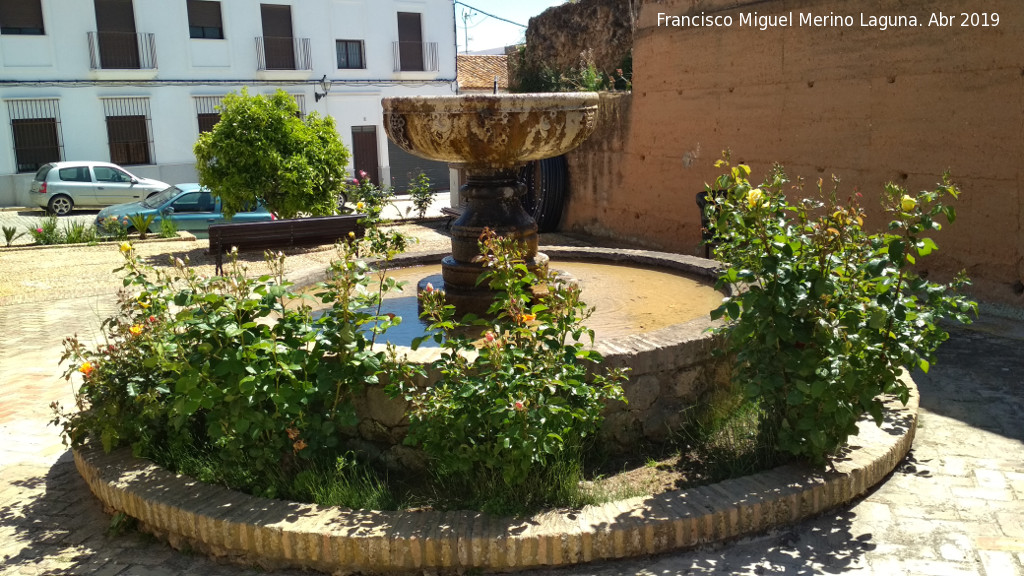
(498, 131)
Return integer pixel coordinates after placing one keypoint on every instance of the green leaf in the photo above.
(925, 246)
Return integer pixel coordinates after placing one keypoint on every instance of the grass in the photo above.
(717, 444)
(726, 441)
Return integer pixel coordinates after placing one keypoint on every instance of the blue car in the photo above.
(190, 206)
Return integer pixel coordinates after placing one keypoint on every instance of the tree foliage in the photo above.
(262, 151)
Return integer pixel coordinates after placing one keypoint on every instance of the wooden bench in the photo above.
(452, 214)
(277, 234)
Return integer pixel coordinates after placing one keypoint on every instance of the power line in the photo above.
(491, 15)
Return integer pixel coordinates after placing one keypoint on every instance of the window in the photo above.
(410, 42)
(35, 125)
(75, 174)
(206, 112)
(194, 202)
(350, 54)
(112, 175)
(204, 19)
(21, 17)
(129, 130)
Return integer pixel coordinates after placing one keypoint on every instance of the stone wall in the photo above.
(868, 105)
(557, 37)
(674, 373)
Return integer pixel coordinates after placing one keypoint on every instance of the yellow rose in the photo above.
(908, 203)
(754, 197)
(126, 247)
(359, 206)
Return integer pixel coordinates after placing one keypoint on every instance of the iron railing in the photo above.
(415, 56)
(122, 51)
(282, 53)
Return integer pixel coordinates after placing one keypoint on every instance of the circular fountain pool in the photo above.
(652, 317)
(625, 299)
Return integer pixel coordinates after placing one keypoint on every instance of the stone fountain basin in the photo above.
(672, 368)
(274, 534)
(498, 131)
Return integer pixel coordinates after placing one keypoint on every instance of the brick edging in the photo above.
(274, 533)
(183, 236)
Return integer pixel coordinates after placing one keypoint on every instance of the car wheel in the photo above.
(61, 205)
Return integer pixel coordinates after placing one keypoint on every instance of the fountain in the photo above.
(672, 369)
(490, 137)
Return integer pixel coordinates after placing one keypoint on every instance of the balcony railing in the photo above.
(415, 56)
(122, 51)
(282, 53)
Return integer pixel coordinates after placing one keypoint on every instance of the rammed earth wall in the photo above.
(867, 104)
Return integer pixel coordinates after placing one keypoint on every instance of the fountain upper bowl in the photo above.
(499, 131)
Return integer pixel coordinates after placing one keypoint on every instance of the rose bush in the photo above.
(233, 368)
(827, 316)
(516, 404)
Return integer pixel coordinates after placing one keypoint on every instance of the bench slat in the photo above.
(282, 234)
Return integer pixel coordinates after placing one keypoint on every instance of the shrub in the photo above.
(79, 233)
(47, 232)
(421, 194)
(168, 229)
(193, 361)
(141, 223)
(828, 315)
(11, 234)
(518, 401)
(262, 151)
(114, 228)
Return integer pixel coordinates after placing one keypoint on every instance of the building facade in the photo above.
(135, 81)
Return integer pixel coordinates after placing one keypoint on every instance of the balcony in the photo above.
(415, 56)
(122, 51)
(283, 53)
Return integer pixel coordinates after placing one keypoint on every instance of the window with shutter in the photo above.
(204, 20)
(21, 17)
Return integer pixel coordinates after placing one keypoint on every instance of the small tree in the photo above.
(262, 151)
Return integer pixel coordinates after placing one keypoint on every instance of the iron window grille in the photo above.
(207, 113)
(129, 130)
(122, 50)
(283, 53)
(415, 56)
(36, 128)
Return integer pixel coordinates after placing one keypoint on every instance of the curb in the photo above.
(183, 236)
(274, 533)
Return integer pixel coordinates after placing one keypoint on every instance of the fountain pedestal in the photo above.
(490, 137)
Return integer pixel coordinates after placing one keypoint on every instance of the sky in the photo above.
(486, 32)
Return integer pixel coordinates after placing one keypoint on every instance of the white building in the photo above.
(135, 82)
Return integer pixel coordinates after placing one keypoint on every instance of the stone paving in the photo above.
(954, 507)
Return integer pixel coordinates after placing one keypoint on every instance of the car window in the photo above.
(75, 174)
(108, 174)
(193, 202)
(43, 171)
(158, 199)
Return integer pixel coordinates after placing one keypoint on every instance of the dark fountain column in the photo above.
(492, 201)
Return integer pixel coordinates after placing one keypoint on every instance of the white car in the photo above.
(62, 186)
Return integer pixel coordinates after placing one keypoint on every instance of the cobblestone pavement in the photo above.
(954, 507)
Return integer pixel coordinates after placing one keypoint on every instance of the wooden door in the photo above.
(115, 31)
(278, 44)
(364, 152)
(410, 42)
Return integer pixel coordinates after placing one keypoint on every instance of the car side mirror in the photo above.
(135, 180)
(167, 211)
